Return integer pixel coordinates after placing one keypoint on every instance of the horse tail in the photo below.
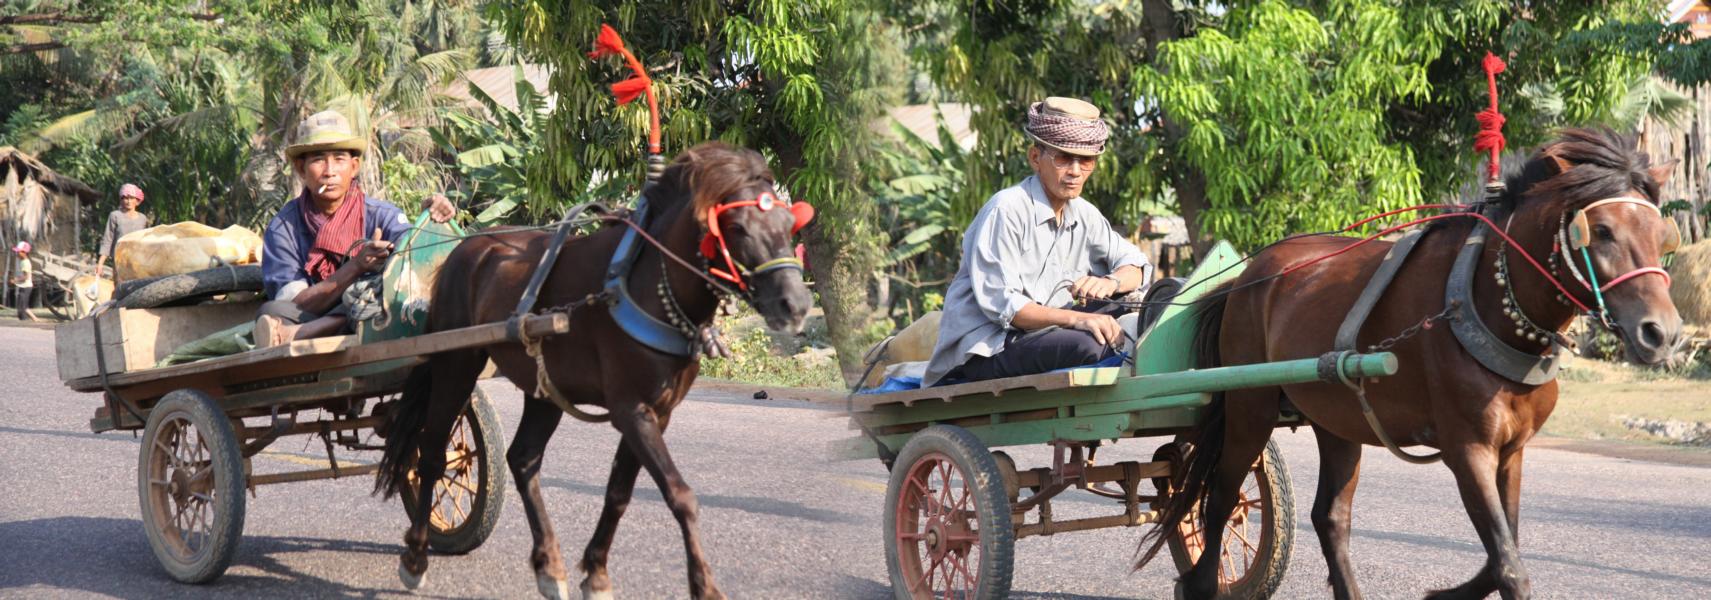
(404, 428)
(1201, 454)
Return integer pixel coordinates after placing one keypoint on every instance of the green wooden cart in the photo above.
(954, 508)
(203, 422)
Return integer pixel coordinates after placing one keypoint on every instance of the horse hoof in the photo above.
(411, 581)
(589, 593)
(553, 589)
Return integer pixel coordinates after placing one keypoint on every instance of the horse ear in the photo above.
(1660, 172)
(804, 213)
(1562, 163)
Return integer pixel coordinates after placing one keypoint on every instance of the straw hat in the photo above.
(325, 130)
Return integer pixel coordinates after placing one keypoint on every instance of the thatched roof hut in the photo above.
(39, 205)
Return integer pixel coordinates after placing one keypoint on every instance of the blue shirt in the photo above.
(1017, 253)
(286, 244)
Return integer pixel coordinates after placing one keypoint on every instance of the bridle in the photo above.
(714, 247)
(1575, 234)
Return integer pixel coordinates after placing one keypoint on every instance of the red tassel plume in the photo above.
(629, 89)
(607, 43)
(1490, 136)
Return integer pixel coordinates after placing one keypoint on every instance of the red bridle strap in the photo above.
(713, 245)
(1636, 273)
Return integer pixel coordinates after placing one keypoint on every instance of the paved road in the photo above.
(779, 521)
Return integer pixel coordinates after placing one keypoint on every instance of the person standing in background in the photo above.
(120, 222)
(24, 281)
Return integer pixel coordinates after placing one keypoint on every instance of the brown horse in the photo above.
(597, 363)
(1442, 398)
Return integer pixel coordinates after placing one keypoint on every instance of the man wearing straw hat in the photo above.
(321, 243)
(1031, 253)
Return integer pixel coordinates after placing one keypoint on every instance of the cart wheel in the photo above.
(1258, 537)
(190, 481)
(468, 497)
(948, 522)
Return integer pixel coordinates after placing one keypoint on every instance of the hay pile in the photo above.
(914, 343)
(1691, 286)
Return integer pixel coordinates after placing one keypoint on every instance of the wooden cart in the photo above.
(954, 507)
(203, 422)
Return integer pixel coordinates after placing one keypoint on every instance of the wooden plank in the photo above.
(312, 355)
(1089, 377)
(137, 339)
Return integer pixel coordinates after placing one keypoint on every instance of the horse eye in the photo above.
(1604, 234)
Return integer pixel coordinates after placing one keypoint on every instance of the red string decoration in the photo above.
(1490, 136)
(607, 43)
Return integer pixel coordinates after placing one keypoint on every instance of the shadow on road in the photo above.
(111, 557)
(748, 504)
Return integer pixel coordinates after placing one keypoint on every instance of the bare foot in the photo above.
(273, 331)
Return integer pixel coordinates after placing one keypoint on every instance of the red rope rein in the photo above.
(1394, 228)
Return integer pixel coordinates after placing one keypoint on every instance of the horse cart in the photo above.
(954, 508)
(204, 422)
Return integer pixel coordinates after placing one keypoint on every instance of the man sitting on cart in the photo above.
(319, 244)
(1030, 254)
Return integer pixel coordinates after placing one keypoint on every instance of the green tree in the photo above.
(798, 81)
(195, 100)
(1266, 117)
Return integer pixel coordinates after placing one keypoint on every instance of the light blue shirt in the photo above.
(1016, 253)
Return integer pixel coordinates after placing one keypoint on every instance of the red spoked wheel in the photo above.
(1258, 536)
(948, 519)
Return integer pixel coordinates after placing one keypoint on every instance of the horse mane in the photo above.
(706, 174)
(1584, 165)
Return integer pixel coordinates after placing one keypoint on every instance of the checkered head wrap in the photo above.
(1066, 132)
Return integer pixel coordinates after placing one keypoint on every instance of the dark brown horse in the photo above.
(1442, 398)
(597, 363)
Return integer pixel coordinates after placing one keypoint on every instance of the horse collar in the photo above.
(634, 321)
(1478, 340)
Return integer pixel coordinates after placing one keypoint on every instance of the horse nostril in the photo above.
(1652, 335)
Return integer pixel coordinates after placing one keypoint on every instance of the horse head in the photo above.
(1599, 197)
(748, 230)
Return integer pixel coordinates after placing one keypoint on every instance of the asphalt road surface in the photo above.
(779, 520)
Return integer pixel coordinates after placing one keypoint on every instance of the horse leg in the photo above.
(539, 421)
(1509, 488)
(619, 487)
(1475, 467)
(1339, 473)
(454, 377)
(644, 435)
(1249, 417)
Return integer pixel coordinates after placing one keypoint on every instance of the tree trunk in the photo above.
(1189, 183)
(840, 265)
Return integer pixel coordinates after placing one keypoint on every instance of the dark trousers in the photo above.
(24, 295)
(288, 310)
(1042, 350)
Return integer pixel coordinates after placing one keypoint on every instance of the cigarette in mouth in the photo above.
(323, 190)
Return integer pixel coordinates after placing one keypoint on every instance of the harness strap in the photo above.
(1375, 288)
(1636, 273)
(1350, 331)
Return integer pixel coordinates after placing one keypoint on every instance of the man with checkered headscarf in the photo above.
(1031, 253)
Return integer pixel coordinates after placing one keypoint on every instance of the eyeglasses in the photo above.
(1063, 160)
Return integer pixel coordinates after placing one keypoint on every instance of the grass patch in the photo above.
(754, 360)
(1595, 396)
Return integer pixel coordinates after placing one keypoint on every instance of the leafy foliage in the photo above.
(796, 80)
(1263, 117)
